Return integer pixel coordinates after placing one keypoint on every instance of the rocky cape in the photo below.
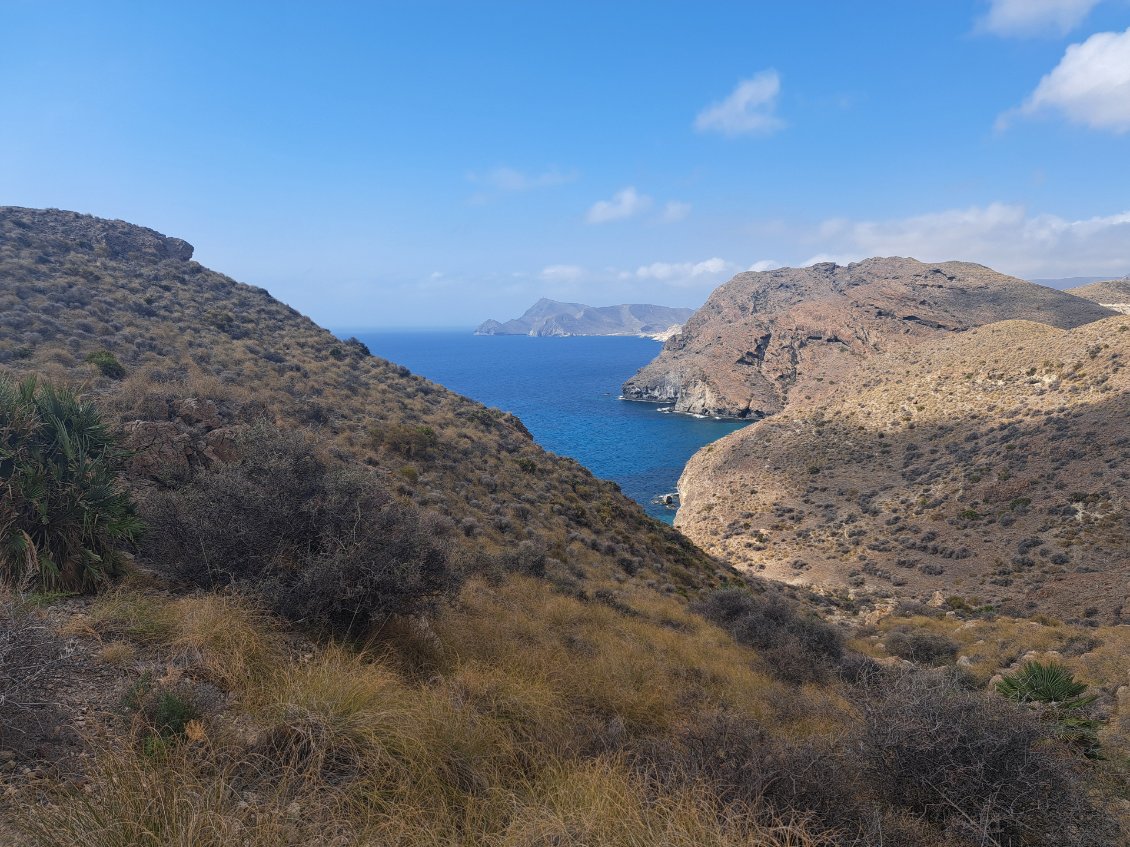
(554, 318)
(763, 337)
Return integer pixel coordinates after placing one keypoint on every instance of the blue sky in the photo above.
(416, 163)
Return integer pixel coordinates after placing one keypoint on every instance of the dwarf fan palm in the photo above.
(63, 511)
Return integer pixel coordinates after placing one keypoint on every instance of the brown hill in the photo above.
(1112, 294)
(763, 336)
(203, 356)
(991, 465)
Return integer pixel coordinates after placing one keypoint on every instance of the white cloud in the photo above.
(1034, 17)
(685, 272)
(1090, 85)
(675, 211)
(1002, 236)
(749, 110)
(764, 265)
(624, 204)
(561, 273)
(506, 179)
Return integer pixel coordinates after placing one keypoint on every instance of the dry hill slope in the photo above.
(762, 337)
(1112, 294)
(992, 465)
(204, 356)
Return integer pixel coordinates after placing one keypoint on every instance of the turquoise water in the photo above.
(565, 390)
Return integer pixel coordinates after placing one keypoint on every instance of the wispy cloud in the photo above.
(1034, 17)
(689, 273)
(674, 211)
(764, 265)
(1089, 86)
(1003, 236)
(749, 110)
(507, 180)
(625, 203)
(561, 273)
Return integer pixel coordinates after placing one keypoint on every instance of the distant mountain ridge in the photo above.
(554, 318)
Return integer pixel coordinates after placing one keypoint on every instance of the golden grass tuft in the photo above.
(234, 643)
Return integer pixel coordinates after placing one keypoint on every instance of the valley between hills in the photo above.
(264, 588)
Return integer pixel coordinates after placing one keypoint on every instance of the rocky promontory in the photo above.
(762, 337)
(554, 318)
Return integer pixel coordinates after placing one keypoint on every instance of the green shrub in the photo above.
(105, 361)
(64, 513)
(1052, 692)
(322, 545)
(798, 647)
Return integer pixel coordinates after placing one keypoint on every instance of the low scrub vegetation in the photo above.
(322, 545)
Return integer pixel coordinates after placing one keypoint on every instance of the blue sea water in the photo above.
(566, 392)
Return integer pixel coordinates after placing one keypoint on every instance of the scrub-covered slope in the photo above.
(994, 465)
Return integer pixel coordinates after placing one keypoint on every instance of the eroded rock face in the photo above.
(197, 433)
(762, 337)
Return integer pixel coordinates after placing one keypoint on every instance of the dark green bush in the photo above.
(925, 648)
(109, 366)
(64, 513)
(798, 647)
(323, 545)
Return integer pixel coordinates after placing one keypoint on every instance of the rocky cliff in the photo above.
(993, 465)
(763, 337)
(553, 318)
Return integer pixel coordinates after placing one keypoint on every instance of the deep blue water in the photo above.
(565, 390)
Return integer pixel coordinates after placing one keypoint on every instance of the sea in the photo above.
(567, 393)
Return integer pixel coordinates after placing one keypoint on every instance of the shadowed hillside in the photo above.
(992, 465)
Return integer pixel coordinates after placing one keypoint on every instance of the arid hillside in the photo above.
(1112, 294)
(992, 465)
(201, 357)
(763, 337)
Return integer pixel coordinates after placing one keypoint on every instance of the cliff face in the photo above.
(762, 337)
(990, 465)
(552, 318)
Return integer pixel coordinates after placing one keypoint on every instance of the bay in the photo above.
(566, 391)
